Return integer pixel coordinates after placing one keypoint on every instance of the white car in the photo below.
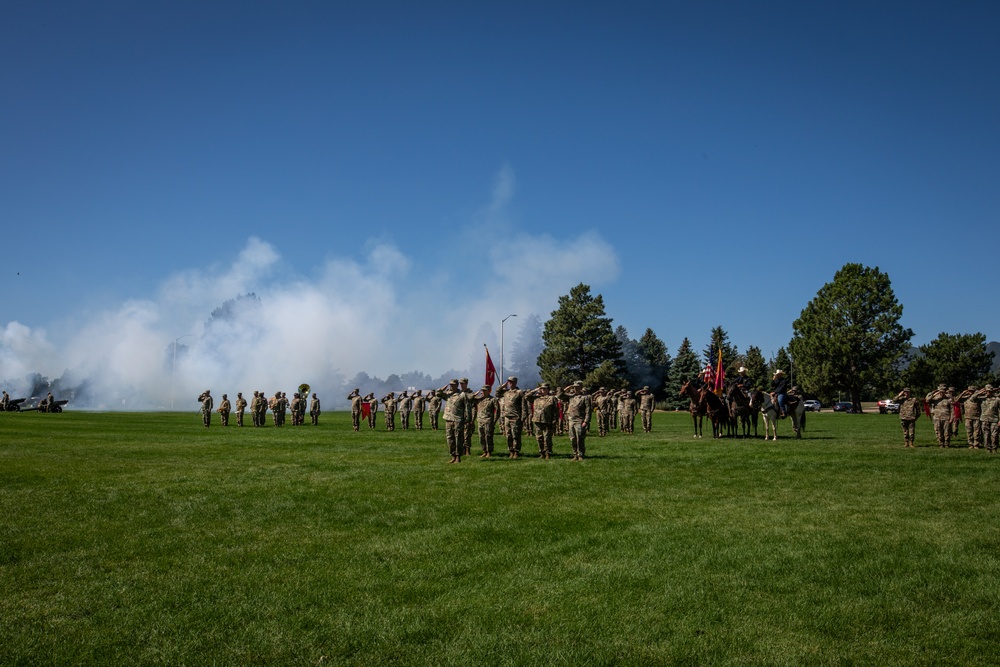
(888, 406)
(812, 405)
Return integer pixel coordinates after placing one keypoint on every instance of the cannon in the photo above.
(14, 404)
(45, 406)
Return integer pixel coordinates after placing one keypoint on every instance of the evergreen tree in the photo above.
(578, 339)
(657, 362)
(757, 367)
(957, 360)
(719, 339)
(849, 337)
(781, 360)
(634, 365)
(686, 367)
(523, 363)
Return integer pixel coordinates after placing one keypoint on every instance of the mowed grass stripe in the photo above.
(145, 538)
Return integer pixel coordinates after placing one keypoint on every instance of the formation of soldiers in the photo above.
(541, 412)
(279, 405)
(979, 408)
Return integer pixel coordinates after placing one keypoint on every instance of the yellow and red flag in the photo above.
(720, 375)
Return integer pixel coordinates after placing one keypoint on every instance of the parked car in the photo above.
(812, 405)
(843, 406)
(888, 406)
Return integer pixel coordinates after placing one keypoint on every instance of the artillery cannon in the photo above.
(14, 404)
(44, 406)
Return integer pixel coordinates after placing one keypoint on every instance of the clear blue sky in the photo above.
(388, 176)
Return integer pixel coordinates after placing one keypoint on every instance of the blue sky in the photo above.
(390, 176)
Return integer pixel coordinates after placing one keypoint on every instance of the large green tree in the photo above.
(657, 362)
(719, 340)
(957, 360)
(685, 367)
(756, 367)
(579, 339)
(849, 337)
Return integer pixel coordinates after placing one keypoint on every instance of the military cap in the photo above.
(906, 390)
(487, 387)
(578, 383)
(465, 380)
(225, 395)
(942, 387)
(988, 387)
(452, 381)
(646, 388)
(512, 379)
(544, 385)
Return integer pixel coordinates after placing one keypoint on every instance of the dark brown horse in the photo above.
(716, 411)
(696, 408)
(740, 411)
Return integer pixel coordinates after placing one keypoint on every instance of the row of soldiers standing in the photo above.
(979, 407)
(259, 405)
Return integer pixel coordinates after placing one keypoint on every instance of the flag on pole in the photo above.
(366, 409)
(491, 371)
(720, 375)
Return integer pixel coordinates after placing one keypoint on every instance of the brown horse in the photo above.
(696, 408)
(717, 412)
(740, 411)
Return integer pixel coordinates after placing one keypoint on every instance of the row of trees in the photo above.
(847, 340)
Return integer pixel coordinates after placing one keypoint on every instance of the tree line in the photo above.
(847, 342)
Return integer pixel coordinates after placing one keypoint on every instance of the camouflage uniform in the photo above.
(630, 408)
(225, 407)
(389, 401)
(989, 415)
(512, 404)
(206, 407)
(403, 407)
(241, 406)
(418, 409)
(544, 415)
(578, 408)
(297, 409)
(314, 410)
(487, 410)
(457, 412)
(372, 410)
(434, 409)
(971, 408)
(355, 398)
(909, 413)
(942, 413)
(262, 410)
(646, 405)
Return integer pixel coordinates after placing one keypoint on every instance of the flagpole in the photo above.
(501, 345)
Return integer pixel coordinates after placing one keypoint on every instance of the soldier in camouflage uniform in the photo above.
(355, 398)
(989, 416)
(314, 410)
(512, 404)
(433, 408)
(470, 423)
(646, 406)
(971, 409)
(225, 407)
(372, 409)
(262, 409)
(487, 410)
(298, 408)
(206, 407)
(418, 409)
(544, 415)
(403, 405)
(578, 409)
(909, 413)
(389, 410)
(457, 412)
(942, 412)
(241, 406)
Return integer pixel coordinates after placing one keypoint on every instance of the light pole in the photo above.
(173, 363)
(502, 380)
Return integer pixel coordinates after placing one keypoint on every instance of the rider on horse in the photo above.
(779, 389)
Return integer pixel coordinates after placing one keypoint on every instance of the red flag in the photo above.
(491, 371)
(720, 375)
(366, 409)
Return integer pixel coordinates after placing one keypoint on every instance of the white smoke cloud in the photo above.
(378, 313)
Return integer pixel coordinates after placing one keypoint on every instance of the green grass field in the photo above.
(147, 539)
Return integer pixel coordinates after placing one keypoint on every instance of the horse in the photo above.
(770, 412)
(740, 410)
(717, 412)
(696, 408)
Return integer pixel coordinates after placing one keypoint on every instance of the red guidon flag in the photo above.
(491, 371)
(366, 409)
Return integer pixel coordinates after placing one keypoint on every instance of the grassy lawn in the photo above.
(147, 539)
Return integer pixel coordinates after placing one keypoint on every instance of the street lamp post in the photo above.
(501, 381)
(173, 363)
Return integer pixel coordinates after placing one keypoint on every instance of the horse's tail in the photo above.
(802, 423)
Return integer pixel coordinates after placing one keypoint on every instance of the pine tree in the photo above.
(685, 368)
(657, 361)
(849, 337)
(757, 367)
(719, 339)
(578, 339)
